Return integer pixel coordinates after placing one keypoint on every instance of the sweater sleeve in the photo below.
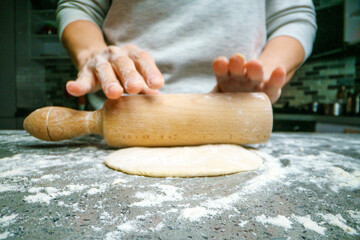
(72, 10)
(292, 18)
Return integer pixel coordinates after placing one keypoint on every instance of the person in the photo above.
(137, 46)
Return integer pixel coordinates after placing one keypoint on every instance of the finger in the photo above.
(147, 90)
(221, 69)
(105, 74)
(237, 65)
(147, 68)
(254, 72)
(84, 83)
(216, 89)
(125, 69)
(277, 80)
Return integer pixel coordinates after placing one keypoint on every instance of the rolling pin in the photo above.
(162, 120)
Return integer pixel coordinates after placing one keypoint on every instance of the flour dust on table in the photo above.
(308, 187)
(194, 161)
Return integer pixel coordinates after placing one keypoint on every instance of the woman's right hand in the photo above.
(117, 70)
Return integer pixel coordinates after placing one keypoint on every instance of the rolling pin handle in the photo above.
(58, 123)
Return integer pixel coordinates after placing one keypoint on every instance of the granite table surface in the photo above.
(307, 188)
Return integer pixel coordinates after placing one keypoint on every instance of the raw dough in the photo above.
(195, 161)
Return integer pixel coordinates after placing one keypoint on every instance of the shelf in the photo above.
(45, 35)
(343, 120)
(54, 38)
(43, 11)
(41, 58)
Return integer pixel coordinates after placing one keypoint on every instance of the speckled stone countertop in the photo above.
(307, 188)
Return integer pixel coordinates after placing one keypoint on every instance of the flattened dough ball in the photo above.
(194, 161)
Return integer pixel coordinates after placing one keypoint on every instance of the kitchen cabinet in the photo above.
(7, 63)
(44, 38)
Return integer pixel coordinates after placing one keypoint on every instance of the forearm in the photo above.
(82, 39)
(282, 51)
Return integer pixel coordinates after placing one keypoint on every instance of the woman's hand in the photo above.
(116, 70)
(237, 75)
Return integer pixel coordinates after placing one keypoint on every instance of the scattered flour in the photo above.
(48, 178)
(46, 194)
(172, 210)
(7, 220)
(258, 95)
(243, 223)
(206, 97)
(195, 213)
(119, 181)
(345, 179)
(309, 224)
(12, 173)
(280, 221)
(4, 235)
(167, 193)
(76, 187)
(9, 188)
(38, 198)
(355, 215)
(93, 191)
(338, 221)
(157, 228)
(97, 189)
(128, 226)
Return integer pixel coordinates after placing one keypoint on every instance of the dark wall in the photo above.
(7, 65)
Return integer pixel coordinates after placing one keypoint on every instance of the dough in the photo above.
(194, 161)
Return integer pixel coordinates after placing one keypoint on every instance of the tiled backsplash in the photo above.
(44, 84)
(41, 85)
(57, 74)
(319, 80)
(30, 86)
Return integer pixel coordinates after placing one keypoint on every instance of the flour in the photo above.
(46, 194)
(5, 221)
(194, 214)
(128, 226)
(344, 179)
(48, 177)
(157, 228)
(280, 221)
(167, 193)
(4, 235)
(355, 215)
(38, 198)
(9, 188)
(76, 188)
(243, 223)
(271, 172)
(93, 191)
(338, 221)
(42, 178)
(119, 181)
(309, 224)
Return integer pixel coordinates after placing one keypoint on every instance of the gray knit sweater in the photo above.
(184, 36)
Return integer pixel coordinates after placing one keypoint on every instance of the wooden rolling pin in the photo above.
(162, 120)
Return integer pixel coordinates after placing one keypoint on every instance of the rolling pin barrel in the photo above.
(162, 120)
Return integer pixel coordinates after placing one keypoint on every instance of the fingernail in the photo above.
(109, 87)
(130, 83)
(149, 82)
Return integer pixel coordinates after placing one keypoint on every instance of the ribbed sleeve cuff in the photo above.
(65, 17)
(303, 31)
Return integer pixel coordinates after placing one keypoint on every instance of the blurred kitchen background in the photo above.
(323, 96)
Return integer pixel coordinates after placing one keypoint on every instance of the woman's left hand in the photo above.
(237, 75)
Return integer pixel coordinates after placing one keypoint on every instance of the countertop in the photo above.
(307, 188)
